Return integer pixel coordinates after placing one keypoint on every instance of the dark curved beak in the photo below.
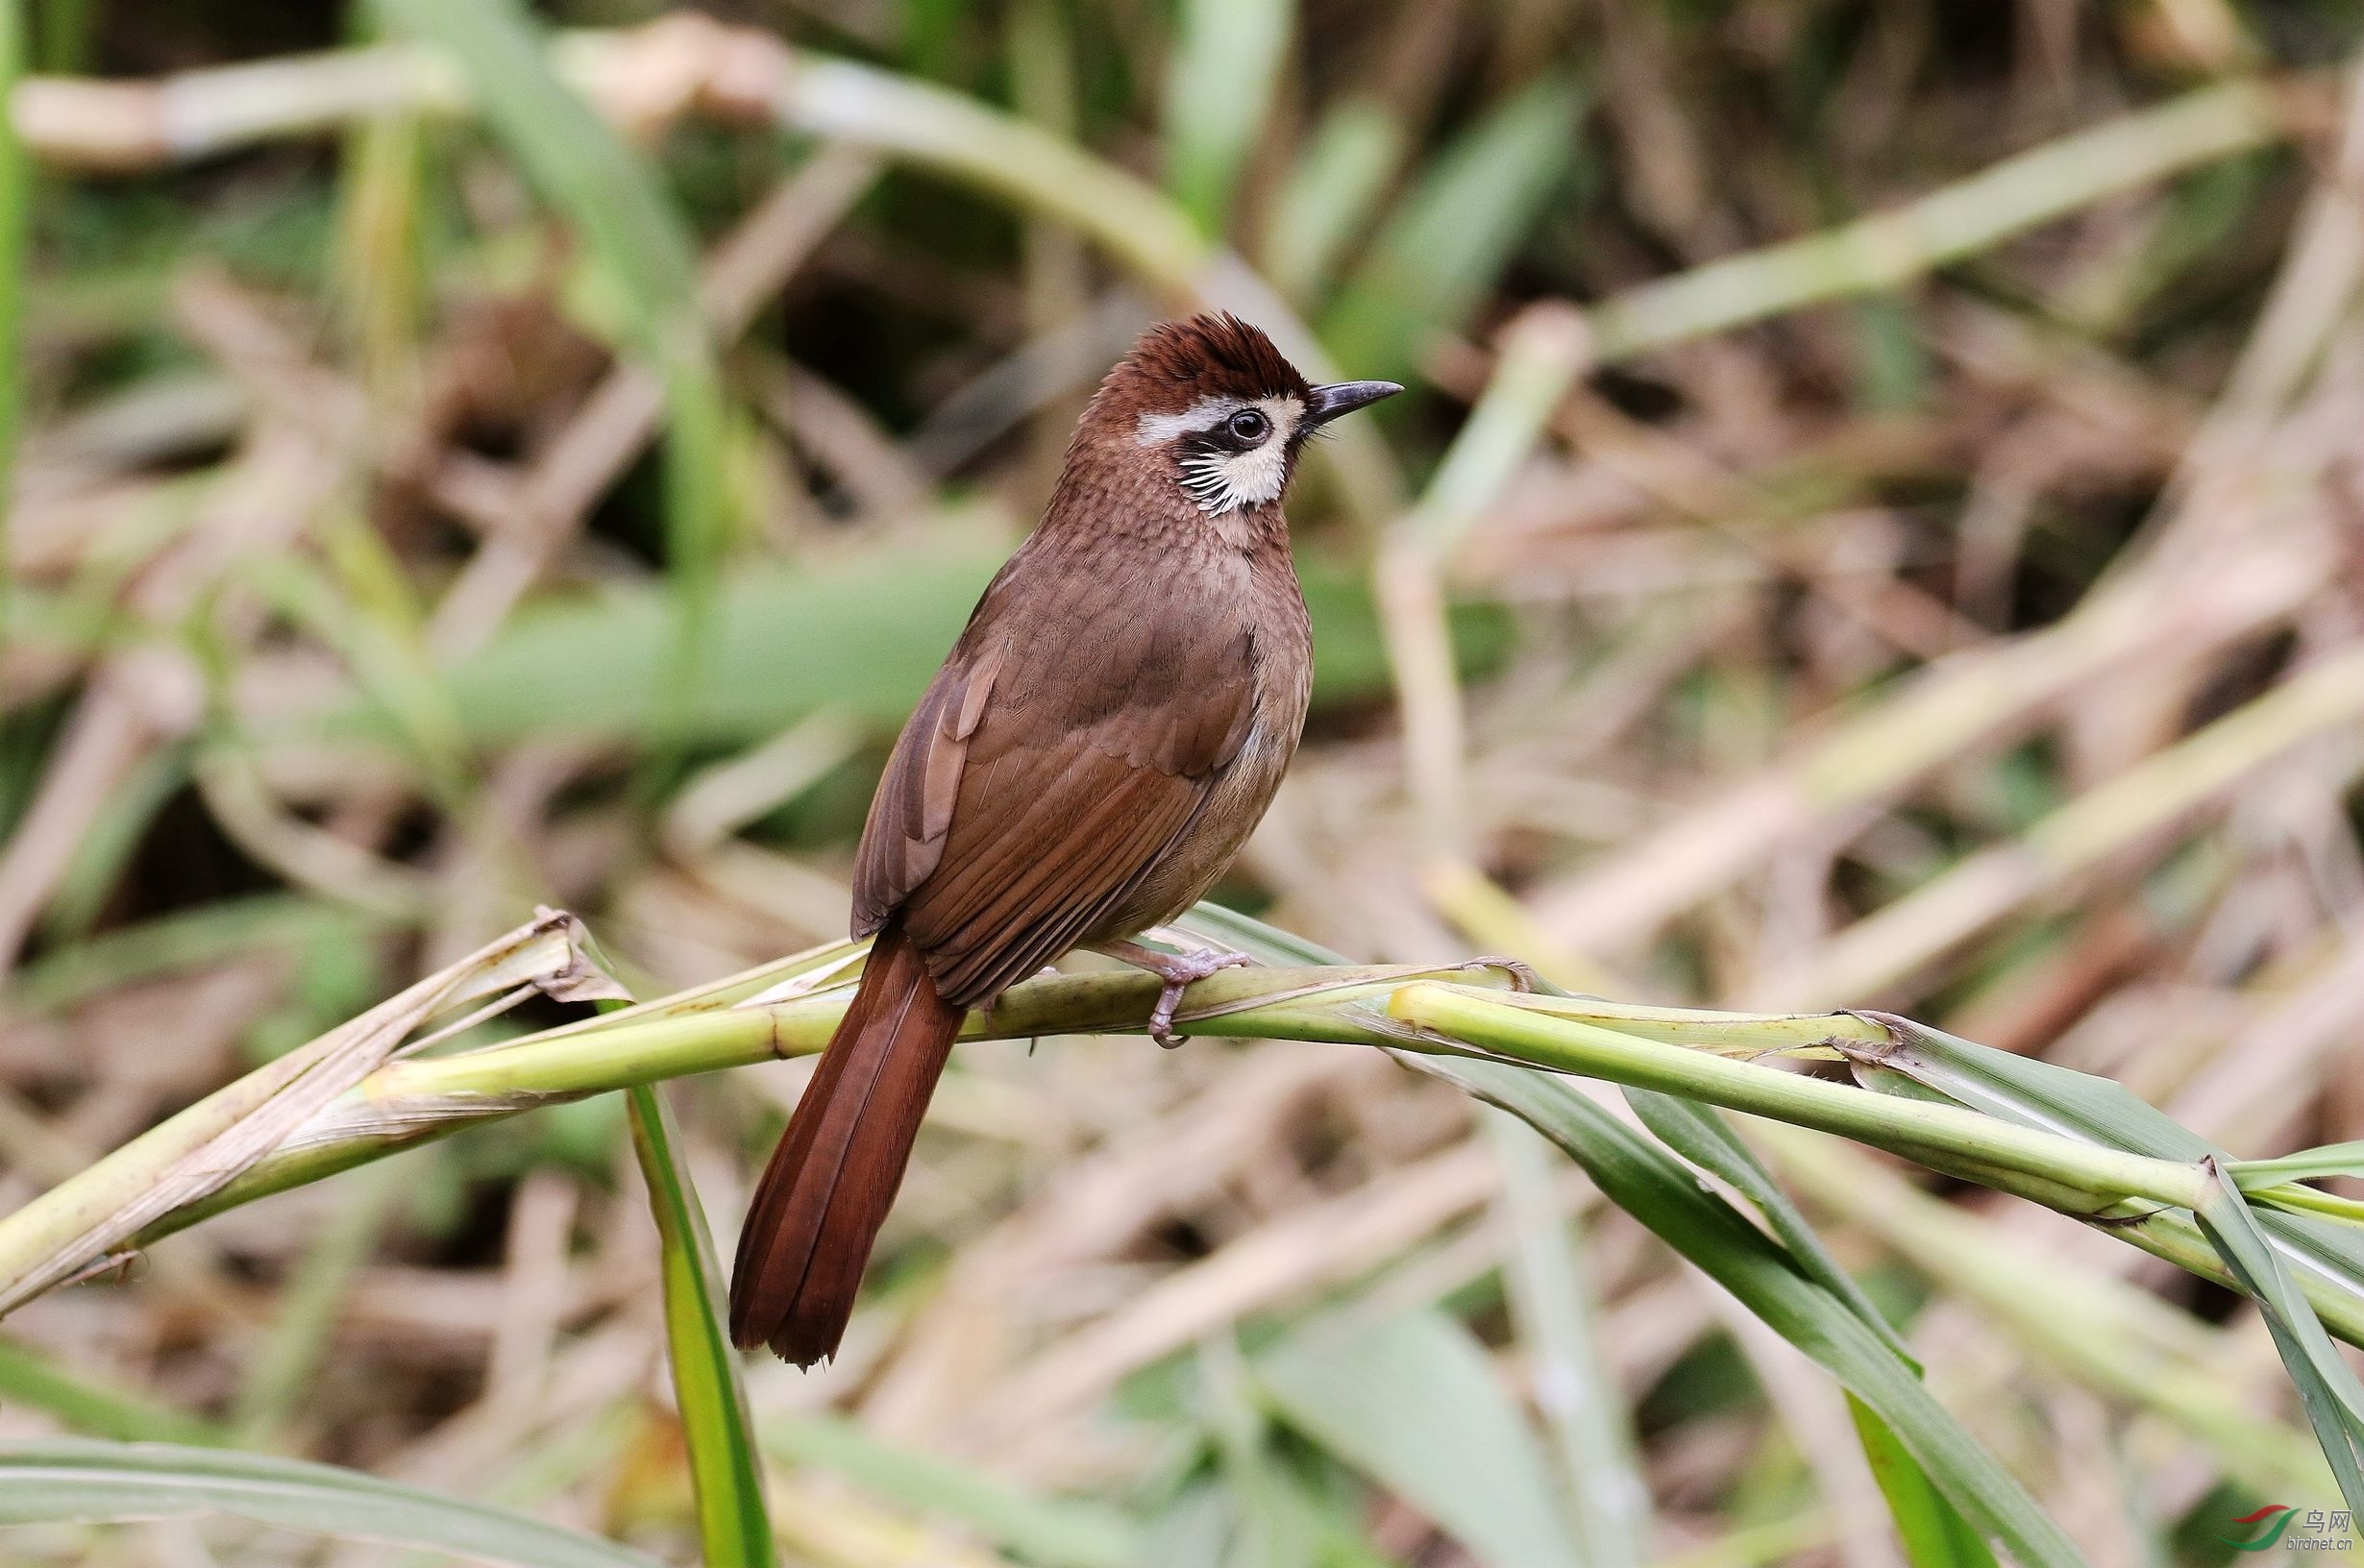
(1345, 397)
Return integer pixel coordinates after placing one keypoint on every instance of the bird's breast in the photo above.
(1279, 671)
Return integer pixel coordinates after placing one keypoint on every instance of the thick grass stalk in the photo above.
(412, 1101)
(789, 1008)
(1916, 1129)
(404, 1102)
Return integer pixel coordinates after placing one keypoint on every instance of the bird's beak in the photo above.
(1345, 397)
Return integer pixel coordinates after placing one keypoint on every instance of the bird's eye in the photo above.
(1248, 426)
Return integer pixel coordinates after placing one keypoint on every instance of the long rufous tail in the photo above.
(817, 1208)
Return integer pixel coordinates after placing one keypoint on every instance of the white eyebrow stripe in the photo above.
(1156, 429)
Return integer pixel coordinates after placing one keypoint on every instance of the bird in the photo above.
(1102, 738)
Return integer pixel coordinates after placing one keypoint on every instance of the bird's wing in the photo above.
(1063, 746)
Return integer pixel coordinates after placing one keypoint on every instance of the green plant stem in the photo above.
(415, 1100)
(199, 1150)
(412, 1101)
(789, 1008)
(1915, 1129)
(1814, 1036)
(2117, 1337)
(1946, 224)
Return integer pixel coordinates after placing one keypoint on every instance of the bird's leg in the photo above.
(1178, 971)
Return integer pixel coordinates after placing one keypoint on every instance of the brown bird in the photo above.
(1100, 742)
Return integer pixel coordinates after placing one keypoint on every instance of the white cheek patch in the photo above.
(1222, 481)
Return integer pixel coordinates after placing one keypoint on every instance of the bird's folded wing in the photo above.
(1055, 841)
(1036, 785)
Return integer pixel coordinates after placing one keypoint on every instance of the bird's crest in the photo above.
(1209, 356)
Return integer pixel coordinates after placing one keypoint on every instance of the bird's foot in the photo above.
(1178, 971)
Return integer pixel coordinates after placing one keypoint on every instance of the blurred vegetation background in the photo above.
(1876, 522)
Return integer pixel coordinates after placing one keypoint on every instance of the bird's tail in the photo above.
(817, 1208)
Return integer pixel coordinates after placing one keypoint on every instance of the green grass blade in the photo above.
(86, 1481)
(1219, 94)
(1414, 1403)
(2116, 1336)
(2328, 1389)
(733, 1524)
(2295, 1198)
(184, 939)
(1330, 195)
(1657, 1189)
(1652, 1186)
(2031, 1092)
(2327, 1255)
(1446, 242)
(29, 1381)
(1273, 1518)
(860, 639)
(1574, 1387)
(1047, 1531)
(1932, 1532)
(1701, 1136)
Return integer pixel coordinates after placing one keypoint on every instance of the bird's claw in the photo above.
(1179, 972)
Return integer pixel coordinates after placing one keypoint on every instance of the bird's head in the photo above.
(1216, 411)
